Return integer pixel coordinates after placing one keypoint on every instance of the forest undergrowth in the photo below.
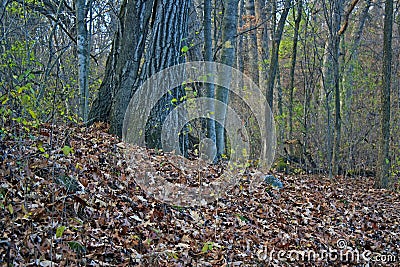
(67, 199)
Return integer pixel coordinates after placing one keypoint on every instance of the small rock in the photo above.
(274, 181)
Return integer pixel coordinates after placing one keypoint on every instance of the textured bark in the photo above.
(229, 30)
(276, 40)
(83, 52)
(262, 40)
(240, 40)
(338, 9)
(252, 41)
(383, 164)
(208, 55)
(331, 82)
(169, 29)
(122, 68)
(293, 63)
(136, 13)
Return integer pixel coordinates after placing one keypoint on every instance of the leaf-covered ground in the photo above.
(47, 218)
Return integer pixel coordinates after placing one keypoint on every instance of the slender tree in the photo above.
(208, 55)
(293, 62)
(252, 41)
(229, 30)
(276, 40)
(83, 48)
(383, 162)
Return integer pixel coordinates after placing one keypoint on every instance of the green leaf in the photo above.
(33, 114)
(67, 150)
(10, 208)
(387, 161)
(5, 101)
(207, 247)
(185, 49)
(60, 231)
(76, 246)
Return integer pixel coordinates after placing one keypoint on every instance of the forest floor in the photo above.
(47, 218)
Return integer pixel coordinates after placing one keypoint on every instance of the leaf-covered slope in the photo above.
(66, 199)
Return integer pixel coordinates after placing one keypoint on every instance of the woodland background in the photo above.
(321, 67)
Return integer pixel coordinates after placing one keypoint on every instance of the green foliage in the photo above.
(208, 246)
(67, 150)
(60, 230)
(77, 247)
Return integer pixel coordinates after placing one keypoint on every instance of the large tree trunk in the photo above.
(383, 164)
(169, 31)
(122, 67)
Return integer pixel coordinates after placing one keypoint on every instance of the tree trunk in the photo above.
(293, 63)
(252, 41)
(337, 14)
(169, 30)
(229, 30)
(208, 55)
(83, 52)
(383, 164)
(122, 67)
(276, 40)
(262, 41)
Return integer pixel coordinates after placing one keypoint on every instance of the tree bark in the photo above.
(383, 164)
(252, 41)
(169, 30)
(293, 63)
(208, 55)
(229, 30)
(123, 63)
(276, 40)
(83, 52)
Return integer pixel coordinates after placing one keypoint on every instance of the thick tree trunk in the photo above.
(135, 22)
(123, 63)
(169, 31)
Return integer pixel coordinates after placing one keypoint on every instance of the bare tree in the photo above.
(229, 29)
(383, 162)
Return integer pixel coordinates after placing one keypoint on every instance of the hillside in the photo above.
(66, 200)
